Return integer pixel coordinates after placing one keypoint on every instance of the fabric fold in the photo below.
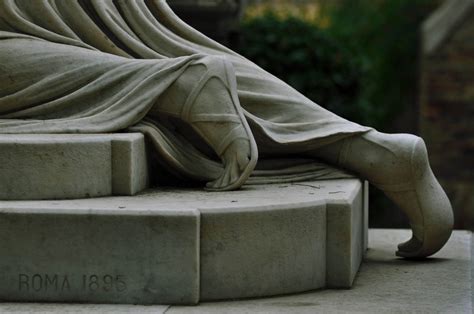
(95, 66)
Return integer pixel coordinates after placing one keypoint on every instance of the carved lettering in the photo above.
(62, 283)
(120, 283)
(65, 285)
(51, 282)
(108, 282)
(37, 282)
(23, 282)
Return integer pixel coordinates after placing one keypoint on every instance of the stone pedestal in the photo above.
(182, 246)
(62, 166)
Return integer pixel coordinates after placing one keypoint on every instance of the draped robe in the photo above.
(97, 66)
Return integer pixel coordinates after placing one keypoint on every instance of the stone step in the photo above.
(182, 246)
(67, 166)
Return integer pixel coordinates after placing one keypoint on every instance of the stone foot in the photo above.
(422, 194)
(398, 165)
(213, 111)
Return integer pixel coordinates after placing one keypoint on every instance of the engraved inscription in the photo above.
(43, 282)
(63, 283)
(105, 283)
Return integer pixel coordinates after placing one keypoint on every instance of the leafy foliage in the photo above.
(385, 35)
(361, 63)
(307, 58)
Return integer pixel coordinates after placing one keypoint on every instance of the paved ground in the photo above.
(385, 284)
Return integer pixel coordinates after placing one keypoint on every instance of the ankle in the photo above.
(381, 158)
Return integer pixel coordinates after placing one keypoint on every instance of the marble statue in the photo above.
(97, 66)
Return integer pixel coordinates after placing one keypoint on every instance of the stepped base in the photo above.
(182, 246)
(67, 166)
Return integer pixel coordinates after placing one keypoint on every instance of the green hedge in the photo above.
(307, 58)
(385, 35)
(362, 66)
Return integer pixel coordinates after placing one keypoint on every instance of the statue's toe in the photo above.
(409, 248)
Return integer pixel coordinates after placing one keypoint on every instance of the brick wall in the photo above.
(447, 116)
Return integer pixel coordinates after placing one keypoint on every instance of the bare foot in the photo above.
(212, 109)
(398, 165)
(205, 97)
(406, 178)
(424, 195)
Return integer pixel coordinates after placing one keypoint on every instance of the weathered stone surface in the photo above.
(181, 245)
(129, 164)
(104, 254)
(36, 167)
(366, 215)
(264, 267)
(346, 236)
(385, 284)
(261, 251)
(58, 166)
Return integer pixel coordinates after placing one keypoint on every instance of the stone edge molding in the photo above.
(177, 246)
